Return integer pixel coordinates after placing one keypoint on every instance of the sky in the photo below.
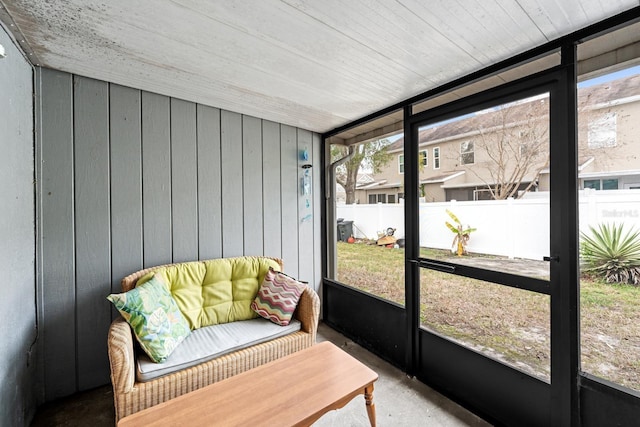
(610, 77)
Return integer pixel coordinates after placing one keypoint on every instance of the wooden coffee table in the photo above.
(295, 390)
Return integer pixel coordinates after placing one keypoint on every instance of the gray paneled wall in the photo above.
(17, 239)
(131, 179)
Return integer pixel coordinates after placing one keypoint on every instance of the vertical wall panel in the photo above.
(184, 181)
(209, 185)
(17, 238)
(57, 235)
(318, 198)
(252, 185)
(92, 221)
(271, 189)
(305, 210)
(126, 183)
(156, 179)
(290, 194)
(231, 158)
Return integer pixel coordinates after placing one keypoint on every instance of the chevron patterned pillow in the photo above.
(278, 297)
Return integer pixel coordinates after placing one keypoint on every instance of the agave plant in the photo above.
(612, 252)
(459, 244)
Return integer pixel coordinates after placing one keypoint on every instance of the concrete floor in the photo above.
(399, 400)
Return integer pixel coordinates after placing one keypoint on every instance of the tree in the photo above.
(514, 140)
(371, 155)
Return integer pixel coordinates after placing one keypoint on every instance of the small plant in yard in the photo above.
(459, 244)
(612, 252)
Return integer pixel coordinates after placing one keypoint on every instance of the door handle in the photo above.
(436, 266)
(551, 258)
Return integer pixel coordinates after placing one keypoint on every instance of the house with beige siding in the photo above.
(472, 157)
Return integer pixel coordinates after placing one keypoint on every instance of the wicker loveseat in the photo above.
(132, 395)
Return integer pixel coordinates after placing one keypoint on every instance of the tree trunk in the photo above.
(351, 182)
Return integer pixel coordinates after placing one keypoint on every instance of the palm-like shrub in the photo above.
(612, 252)
(459, 244)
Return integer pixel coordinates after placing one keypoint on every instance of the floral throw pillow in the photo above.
(278, 297)
(154, 316)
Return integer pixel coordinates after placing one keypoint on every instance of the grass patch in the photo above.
(507, 324)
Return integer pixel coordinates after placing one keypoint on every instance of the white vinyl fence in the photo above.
(512, 228)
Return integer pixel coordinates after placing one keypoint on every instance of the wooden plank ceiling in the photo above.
(311, 64)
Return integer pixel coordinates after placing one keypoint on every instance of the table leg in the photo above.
(371, 407)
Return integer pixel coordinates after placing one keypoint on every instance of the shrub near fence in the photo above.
(512, 228)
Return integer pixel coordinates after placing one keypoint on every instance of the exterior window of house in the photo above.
(436, 158)
(400, 196)
(523, 150)
(601, 184)
(377, 198)
(482, 194)
(602, 131)
(391, 198)
(592, 183)
(423, 158)
(401, 163)
(467, 155)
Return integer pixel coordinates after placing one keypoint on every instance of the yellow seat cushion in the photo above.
(215, 291)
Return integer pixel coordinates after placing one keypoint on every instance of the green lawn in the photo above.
(508, 324)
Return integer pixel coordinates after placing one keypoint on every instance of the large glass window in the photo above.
(609, 156)
(373, 260)
(496, 231)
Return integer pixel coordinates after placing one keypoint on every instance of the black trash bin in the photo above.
(345, 230)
